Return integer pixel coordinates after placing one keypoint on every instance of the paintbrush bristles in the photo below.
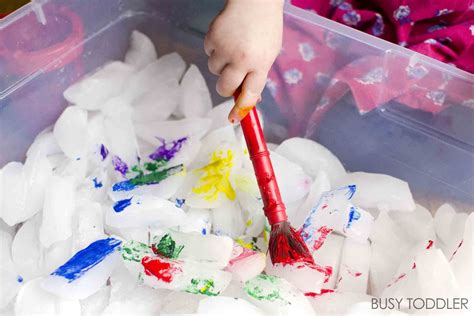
(287, 246)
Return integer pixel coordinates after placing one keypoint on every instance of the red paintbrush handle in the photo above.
(272, 203)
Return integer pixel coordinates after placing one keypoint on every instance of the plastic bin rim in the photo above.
(372, 41)
(310, 18)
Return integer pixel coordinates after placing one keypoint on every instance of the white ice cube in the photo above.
(56, 255)
(293, 181)
(379, 191)
(38, 172)
(70, 131)
(26, 250)
(86, 272)
(462, 260)
(337, 303)
(228, 220)
(328, 256)
(276, 296)
(221, 305)
(167, 67)
(141, 50)
(177, 303)
(14, 192)
(45, 144)
(312, 157)
(442, 221)
(246, 265)
(10, 280)
(143, 211)
(354, 268)
(209, 250)
(96, 303)
(195, 96)
(59, 206)
(157, 104)
(151, 132)
(88, 224)
(417, 225)
(219, 114)
(197, 221)
(307, 277)
(33, 300)
(91, 92)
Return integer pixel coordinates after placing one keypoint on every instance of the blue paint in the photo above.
(126, 185)
(119, 165)
(352, 190)
(353, 216)
(203, 231)
(104, 152)
(87, 258)
(179, 202)
(119, 206)
(19, 279)
(78, 158)
(97, 183)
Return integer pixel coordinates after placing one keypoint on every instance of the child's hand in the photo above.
(242, 44)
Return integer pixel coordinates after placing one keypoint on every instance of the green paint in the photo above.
(135, 251)
(263, 287)
(155, 176)
(202, 286)
(167, 247)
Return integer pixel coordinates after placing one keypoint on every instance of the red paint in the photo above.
(354, 273)
(401, 276)
(323, 291)
(159, 268)
(324, 232)
(414, 266)
(286, 246)
(455, 251)
(430, 244)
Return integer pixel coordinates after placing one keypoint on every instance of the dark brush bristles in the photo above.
(287, 246)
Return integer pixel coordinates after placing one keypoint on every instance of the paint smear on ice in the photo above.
(160, 268)
(167, 151)
(119, 206)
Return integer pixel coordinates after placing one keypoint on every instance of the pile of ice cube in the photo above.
(141, 199)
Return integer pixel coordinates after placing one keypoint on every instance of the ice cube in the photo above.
(33, 300)
(10, 280)
(221, 305)
(141, 50)
(14, 193)
(195, 97)
(354, 269)
(307, 277)
(167, 67)
(75, 169)
(59, 206)
(157, 104)
(336, 303)
(209, 250)
(227, 220)
(177, 303)
(219, 114)
(143, 211)
(442, 221)
(246, 265)
(45, 144)
(140, 300)
(276, 296)
(163, 273)
(379, 191)
(91, 92)
(120, 135)
(449, 226)
(328, 255)
(26, 250)
(417, 225)
(312, 157)
(223, 137)
(96, 303)
(56, 255)
(38, 171)
(293, 181)
(319, 186)
(335, 212)
(152, 132)
(86, 272)
(197, 221)
(70, 131)
(461, 260)
(88, 224)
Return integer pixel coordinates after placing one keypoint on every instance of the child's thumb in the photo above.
(252, 88)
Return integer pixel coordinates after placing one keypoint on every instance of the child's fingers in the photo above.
(252, 88)
(208, 44)
(216, 63)
(230, 79)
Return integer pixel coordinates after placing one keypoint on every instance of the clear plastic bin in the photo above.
(47, 45)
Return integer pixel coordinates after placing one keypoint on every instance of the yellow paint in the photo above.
(248, 223)
(246, 183)
(244, 244)
(215, 178)
(243, 111)
(246, 152)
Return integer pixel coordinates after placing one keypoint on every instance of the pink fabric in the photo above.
(316, 68)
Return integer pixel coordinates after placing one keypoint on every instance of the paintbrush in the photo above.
(285, 245)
